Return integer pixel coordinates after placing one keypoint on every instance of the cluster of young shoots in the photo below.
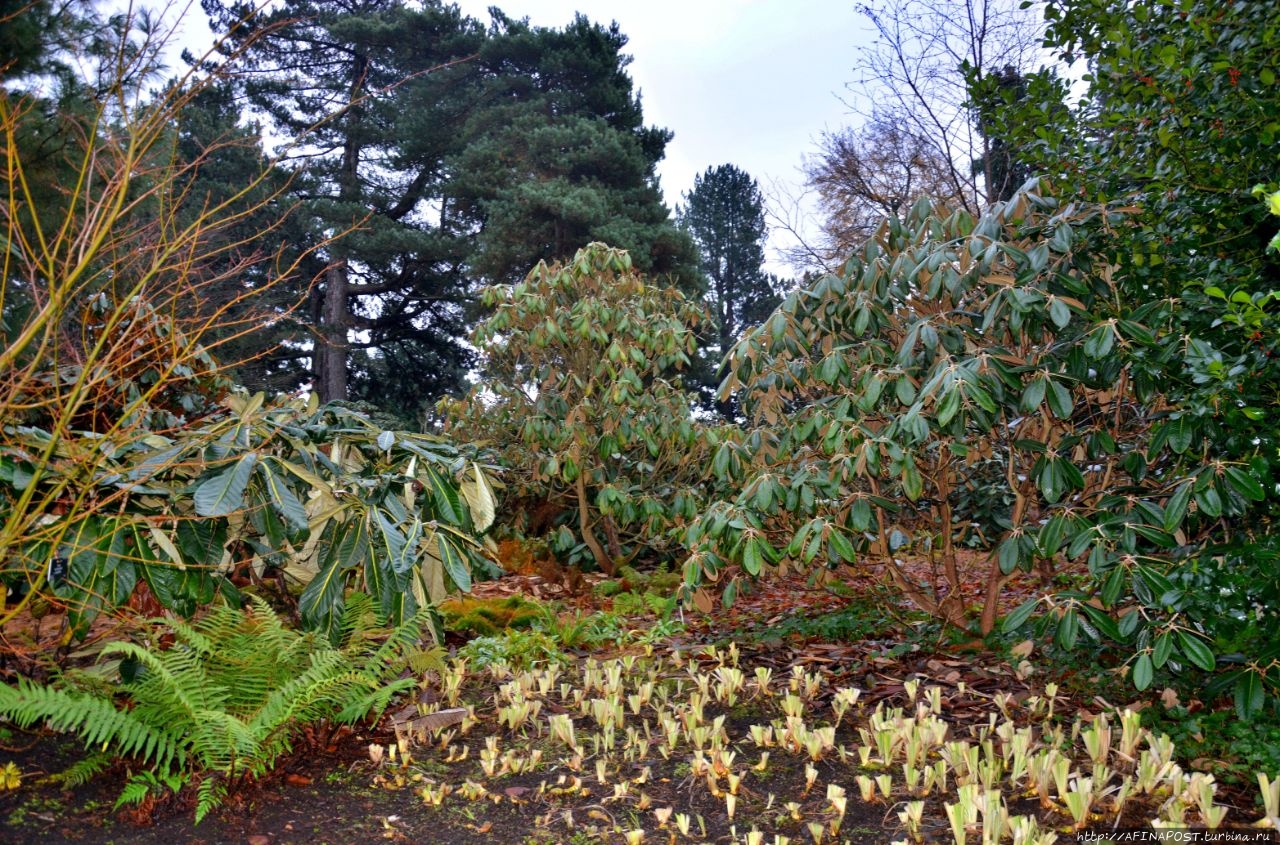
(788, 751)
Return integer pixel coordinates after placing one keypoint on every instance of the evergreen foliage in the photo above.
(1106, 337)
(1180, 122)
(1003, 171)
(374, 93)
(320, 497)
(221, 155)
(454, 156)
(580, 394)
(724, 213)
(560, 157)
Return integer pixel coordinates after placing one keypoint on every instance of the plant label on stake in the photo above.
(57, 571)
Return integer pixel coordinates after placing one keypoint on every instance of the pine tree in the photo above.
(1002, 170)
(376, 90)
(558, 157)
(454, 155)
(724, 214)
(226, 164)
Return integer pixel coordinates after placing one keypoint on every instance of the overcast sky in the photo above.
(753, 83)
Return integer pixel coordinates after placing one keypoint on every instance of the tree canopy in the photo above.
(724, 214)
(451, 155)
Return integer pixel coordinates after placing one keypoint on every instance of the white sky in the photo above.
(752, 83)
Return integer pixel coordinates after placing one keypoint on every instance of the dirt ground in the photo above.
(332, 792)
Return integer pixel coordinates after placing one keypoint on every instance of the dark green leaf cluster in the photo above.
(581, 391)
(320, 496)
(724, 213)
(1180, 122)
(450, 155)
(952, 342)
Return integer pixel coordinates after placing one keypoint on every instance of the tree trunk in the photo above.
(588, 536)
(332, 344)
(335, 310)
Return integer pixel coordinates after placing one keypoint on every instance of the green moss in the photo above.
(490, 617)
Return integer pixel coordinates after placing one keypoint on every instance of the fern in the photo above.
(420, 661)
(82, 771)
(226, 701)
(98, 721)
(209, 794)
(134, 792)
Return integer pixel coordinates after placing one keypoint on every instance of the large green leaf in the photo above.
(1196, 650)
(1143, 671)
(1176, 508)
(480, 498)
(323, 599)
(454, 561)
(389, 542)
(348, 545)
(85, 546)
(1245, 484)
(1068, 629)
(1249, 695)
(445, 498)
(202, 541)
(222, 493)
(1059, 399)
(1019, 615)
(282, 498)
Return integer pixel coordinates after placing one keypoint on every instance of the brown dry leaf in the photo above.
(438, 720)
(1023, 649)
(259, 839)
(514, 792)
(1169, 698)
(297, 780)
(703, 600)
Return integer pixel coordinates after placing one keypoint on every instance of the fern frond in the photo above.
(219, 742)
(311, 696)
(96, 720)
(82, 771)
(358, 619)
(188, 635)
(392, 656)
(374, 701)
(423, 660)
(135, 791)
(173, 678)
(229, 697)
(209, 794)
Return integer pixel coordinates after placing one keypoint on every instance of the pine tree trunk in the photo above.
(331, 345)
(335, 313)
